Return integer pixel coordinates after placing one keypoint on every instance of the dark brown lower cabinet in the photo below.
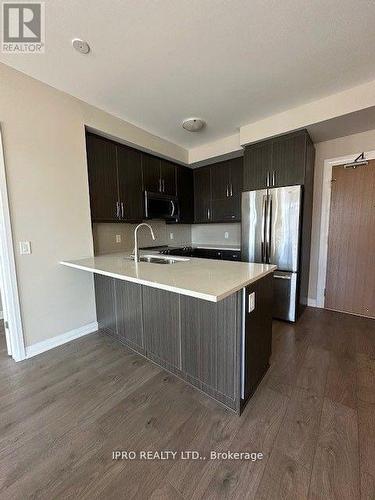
(105, 302)
(161, 325)
(129, 312)
(258, 334)
(227, 209)
(198, 340)
(209, 345)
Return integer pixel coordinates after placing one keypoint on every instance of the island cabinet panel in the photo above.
(258, 334)
(209, 345)
(129, 313)
(105, 303)
(161, 326)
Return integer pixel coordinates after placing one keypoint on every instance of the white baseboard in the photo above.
(48, 344)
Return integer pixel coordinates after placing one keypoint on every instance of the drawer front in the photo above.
(234, 255)
(284, 290)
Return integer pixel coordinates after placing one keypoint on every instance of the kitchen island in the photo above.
(207, 321)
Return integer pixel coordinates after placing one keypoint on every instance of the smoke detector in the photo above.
(193, 124)
(81, 46)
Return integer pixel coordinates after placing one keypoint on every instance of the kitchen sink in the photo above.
(155, 259)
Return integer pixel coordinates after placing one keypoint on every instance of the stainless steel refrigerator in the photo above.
(271, 225)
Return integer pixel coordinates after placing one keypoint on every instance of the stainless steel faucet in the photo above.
(136, 249)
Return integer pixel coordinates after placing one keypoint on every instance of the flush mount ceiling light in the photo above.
(193, 124)
(81, 45)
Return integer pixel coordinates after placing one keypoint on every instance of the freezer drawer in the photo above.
(284, 295)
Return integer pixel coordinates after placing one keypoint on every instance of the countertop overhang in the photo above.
(205, 279)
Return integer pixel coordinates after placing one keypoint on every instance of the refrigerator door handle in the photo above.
(268, 228)
(264, 217)
(282, 277)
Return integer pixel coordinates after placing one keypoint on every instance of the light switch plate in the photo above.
(118, 238)
(171, 236)
(251, 306)
(25, 247)
(226, 235)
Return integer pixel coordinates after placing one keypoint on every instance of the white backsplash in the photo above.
(104, 235)
(215, 234)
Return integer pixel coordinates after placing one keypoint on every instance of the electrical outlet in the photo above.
(251, 302)
(25, 247)
(118, 238)
(226, 235)
(171, 236)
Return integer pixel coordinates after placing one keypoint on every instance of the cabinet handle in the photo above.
(160, 185)
(231, 189)
(268, 179)
(118, 209)
(273, 177)
(208, 214)
(122, 210)
(227, 191)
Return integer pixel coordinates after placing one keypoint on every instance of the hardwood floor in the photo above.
(313, 417)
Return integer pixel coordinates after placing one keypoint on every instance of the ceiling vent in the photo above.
(81, 46)
(193, 124)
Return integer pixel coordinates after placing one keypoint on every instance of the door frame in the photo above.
(324, 219)
(11, 303)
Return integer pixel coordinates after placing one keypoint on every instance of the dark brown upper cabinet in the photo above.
(151, 173)
(226, 182)
(159, 176)
(257, 165)
(276, 162)
(202, 194)
(236, 176)
(220, 180)
(102, 173)
(129, 168)
(288, 160)
(185, 193)
(168, 177)
(115, 181)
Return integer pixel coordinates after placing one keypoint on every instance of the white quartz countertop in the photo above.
(205, 279)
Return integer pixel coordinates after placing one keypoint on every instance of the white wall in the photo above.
(348, 145)
(44, 147)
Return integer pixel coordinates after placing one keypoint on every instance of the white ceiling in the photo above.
(232, 62)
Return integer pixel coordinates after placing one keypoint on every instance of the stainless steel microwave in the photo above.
(161, 206)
